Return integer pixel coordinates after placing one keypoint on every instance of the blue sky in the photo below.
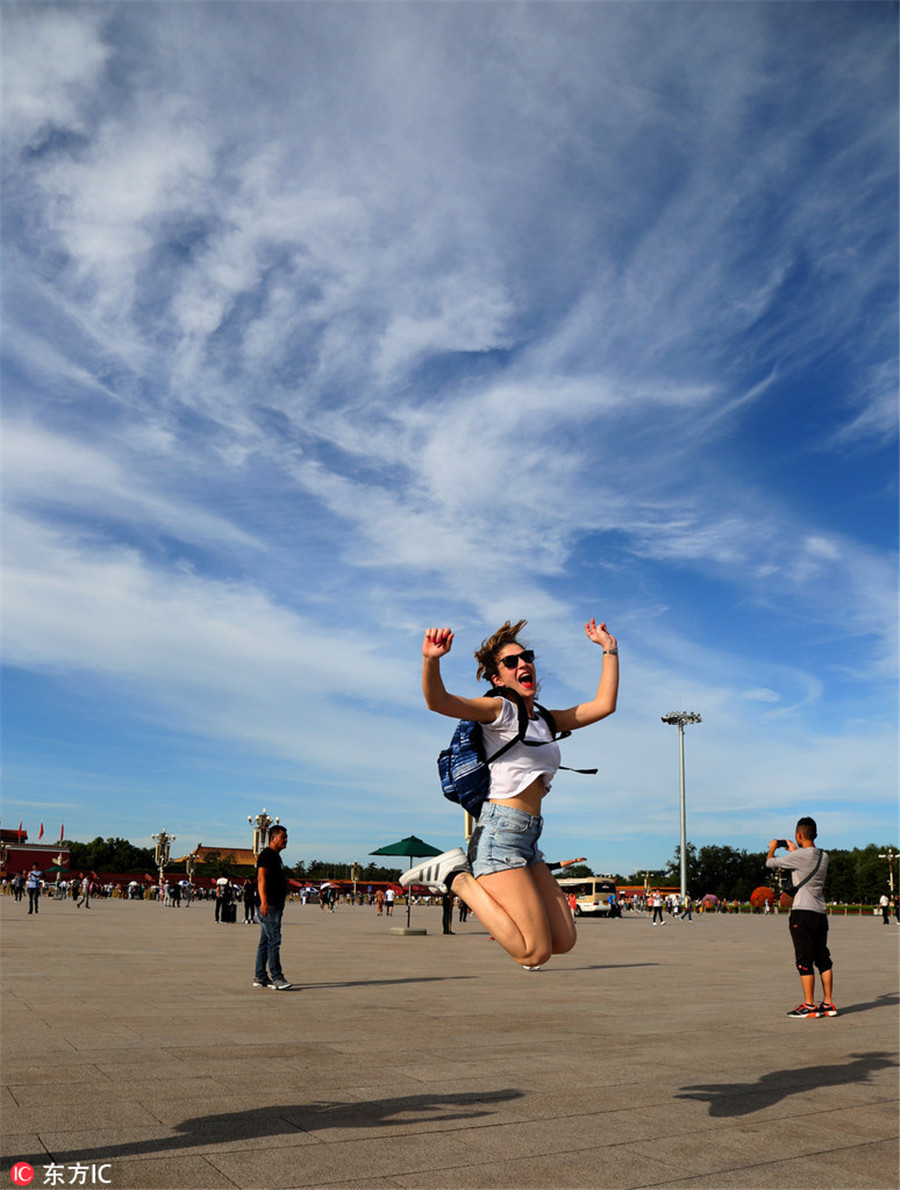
(327, 323)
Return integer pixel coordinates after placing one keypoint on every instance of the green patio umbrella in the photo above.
(414, 848)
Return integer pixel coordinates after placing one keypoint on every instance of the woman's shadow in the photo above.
(300, 1118)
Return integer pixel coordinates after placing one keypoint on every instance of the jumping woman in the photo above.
(504, 878)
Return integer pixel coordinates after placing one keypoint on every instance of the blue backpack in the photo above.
(464, 768)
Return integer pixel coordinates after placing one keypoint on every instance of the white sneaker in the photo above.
(525, 968)
(433, 872)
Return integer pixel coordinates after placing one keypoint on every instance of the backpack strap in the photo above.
(796, 888)
(519, 738)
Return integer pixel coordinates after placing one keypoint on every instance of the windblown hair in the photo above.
(486, 656)
(807, 828)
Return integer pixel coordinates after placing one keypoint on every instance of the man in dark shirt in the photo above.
(272, 887)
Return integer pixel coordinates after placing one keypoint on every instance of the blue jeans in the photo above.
(269, 949)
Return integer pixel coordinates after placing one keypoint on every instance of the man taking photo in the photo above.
(809, 916)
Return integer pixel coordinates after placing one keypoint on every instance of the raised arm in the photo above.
(437, 644)
(604, 701)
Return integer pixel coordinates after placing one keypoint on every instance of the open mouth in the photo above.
(526, 679)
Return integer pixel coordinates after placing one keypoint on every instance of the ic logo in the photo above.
(22, 1174)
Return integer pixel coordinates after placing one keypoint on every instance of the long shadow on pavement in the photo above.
(366, 983)
(740, 1099)
(299, 1118)
(890, 1000)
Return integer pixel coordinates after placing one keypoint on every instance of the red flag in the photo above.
(20, 831)
(41, 833)
(60, 832)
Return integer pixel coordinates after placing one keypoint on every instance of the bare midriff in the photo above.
(529, 800)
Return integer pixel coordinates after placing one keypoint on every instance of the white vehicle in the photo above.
(593, 894)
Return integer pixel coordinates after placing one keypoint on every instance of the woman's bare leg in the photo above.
(524, 910)
(562, 928)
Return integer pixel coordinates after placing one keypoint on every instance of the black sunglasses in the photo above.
(512, 661)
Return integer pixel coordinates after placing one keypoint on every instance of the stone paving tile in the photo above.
(168, 1173)
(609, 1168)
(313, 1165)
(808, 1174)
(876, 1121)
(131, 1055)
(143, 1090)
(22, 1146)
(35, 1049)
(227, 1075)
(540, 1138)
(67, 1072)
(40, 1117)
(711, 1153)
(364, 1184)
(239, 1051)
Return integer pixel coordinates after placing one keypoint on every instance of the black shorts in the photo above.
(809, 933)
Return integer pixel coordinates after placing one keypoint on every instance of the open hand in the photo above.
(598, 634)
(437, 642)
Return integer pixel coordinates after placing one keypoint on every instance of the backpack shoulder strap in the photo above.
(796, 888)
(543, 713)
(513, 696)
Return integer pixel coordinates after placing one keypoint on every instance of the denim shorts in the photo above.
(504, 838)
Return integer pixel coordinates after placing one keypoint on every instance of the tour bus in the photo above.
(594, 894)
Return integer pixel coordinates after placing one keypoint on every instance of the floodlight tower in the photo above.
(679, 719)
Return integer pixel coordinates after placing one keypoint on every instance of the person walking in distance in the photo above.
(272, 889)
(248, 900)
(504, 879)
(809, 916)
(33, 886)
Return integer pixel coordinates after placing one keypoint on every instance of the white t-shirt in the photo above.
(515, 770)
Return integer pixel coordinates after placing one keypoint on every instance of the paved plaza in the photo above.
(135, 1053)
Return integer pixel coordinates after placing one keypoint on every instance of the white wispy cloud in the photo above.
(325, 321)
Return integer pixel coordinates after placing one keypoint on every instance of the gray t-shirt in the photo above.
(800, 863)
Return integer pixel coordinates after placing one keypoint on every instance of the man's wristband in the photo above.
(614, 650)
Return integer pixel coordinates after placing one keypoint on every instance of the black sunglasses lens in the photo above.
(512, 662)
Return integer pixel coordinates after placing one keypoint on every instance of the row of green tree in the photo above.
(118, 855)
(859, 876)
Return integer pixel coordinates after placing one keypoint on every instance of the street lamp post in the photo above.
(679, 719)
(354, 876)
(890, 855)
(261, 824)
(163, 843)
